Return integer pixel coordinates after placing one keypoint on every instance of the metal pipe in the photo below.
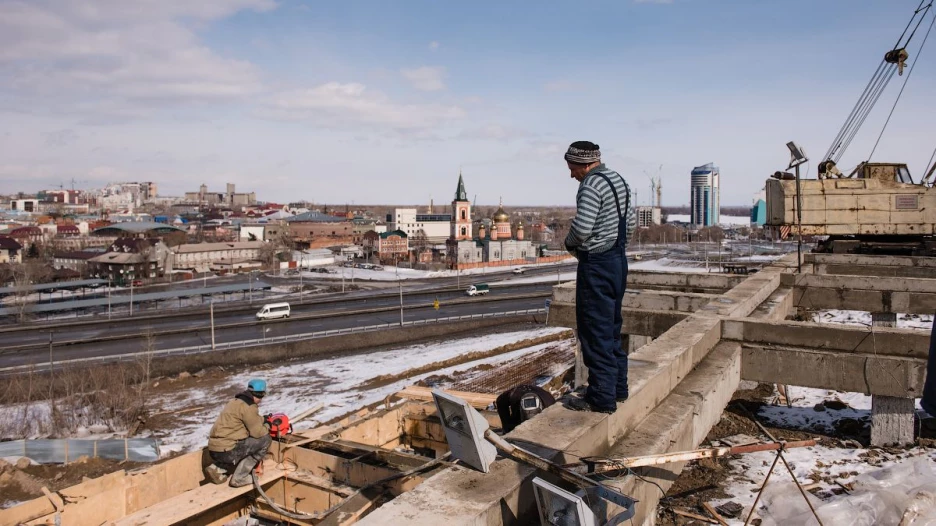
(799, 224)
(614, 464)
(538, 462)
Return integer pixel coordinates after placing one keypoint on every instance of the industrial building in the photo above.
(704, 196)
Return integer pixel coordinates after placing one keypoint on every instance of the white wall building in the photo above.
(436, 226)
(200, 256)
(648, 216)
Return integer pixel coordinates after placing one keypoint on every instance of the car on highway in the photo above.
(272, 311)
(519, 270)
(478, 289)
(137, 283)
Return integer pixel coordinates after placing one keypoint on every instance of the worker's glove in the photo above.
(268, 419)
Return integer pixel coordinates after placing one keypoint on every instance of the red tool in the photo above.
(279, 425)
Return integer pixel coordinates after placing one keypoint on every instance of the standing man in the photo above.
(240, 437)
(604, 221)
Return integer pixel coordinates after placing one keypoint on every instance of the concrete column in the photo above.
(891, 417)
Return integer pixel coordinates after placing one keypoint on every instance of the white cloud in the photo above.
(434, 45)
(562, 86)
(348, 105)
(132, 55)
(425, 78)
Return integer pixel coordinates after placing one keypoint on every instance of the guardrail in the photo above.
(264, 341)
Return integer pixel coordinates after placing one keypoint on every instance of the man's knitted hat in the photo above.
(583, 152)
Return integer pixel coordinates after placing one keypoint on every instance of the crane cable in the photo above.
(910, 72)
(873, 90)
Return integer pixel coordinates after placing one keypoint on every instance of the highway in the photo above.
(196, 331)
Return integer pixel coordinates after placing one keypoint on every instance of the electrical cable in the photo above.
(874, 89)
(909, 72)
(324, 513)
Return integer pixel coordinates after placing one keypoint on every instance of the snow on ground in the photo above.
(336, 382)
(783, 504)
(395, 273)
(657, 265)
(723, 219)
(861, 318)
(885, 481)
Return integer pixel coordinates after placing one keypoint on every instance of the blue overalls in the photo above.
(599, 291)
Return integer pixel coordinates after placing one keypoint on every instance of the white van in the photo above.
(273, 310)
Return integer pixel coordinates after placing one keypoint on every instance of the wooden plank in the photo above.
(689, 515)
(477, 400)
(307, 477)
(28, 511)
(178, 509)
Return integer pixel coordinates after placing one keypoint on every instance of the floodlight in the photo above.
(470, 440)
(797, 155)
(558, 507)
(464, 431)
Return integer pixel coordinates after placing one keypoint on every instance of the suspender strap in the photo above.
(614, 191)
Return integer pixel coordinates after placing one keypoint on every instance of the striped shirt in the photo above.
(595, 227)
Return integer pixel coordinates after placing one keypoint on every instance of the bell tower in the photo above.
(461, 212)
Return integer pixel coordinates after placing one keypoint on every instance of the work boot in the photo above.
(242, 474)
(216, 474)
(580, 404)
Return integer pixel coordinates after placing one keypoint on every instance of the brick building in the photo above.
(390, 247)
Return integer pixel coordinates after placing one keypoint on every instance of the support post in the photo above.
(799, 224)
(581, 372)
(891, 416)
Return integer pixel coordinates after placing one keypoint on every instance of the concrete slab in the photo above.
(561, 434)
(680, 423)
(645, 298)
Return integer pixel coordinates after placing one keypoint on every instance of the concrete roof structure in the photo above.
(194, 248)
(136, 227)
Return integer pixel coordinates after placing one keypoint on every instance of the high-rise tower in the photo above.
(704, 200)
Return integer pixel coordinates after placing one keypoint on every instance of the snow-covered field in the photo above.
(390, 273)
(724, 220)
(336, 382)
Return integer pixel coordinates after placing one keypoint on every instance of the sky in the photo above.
(373, 102)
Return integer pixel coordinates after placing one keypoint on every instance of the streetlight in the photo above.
(400, 281)
(798, 157)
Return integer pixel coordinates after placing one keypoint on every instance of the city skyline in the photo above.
(373, 103)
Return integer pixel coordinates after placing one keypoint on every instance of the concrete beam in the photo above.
(637, 322)
(645, 299)
(687, 281)
(680, 423)
(503, 496)
(903, 343)
(874, 294)
(881, 266)
(886, 375)
(745, 298)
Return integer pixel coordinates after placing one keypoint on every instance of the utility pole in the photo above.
(250, 284)
(211, 310)
(108, 298)
(300, 280)
(401, 301)
(131, 296)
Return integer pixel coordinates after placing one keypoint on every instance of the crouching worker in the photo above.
(240, 438)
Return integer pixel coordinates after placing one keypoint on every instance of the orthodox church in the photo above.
(490, 240)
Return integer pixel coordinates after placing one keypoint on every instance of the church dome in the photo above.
(501, 216)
